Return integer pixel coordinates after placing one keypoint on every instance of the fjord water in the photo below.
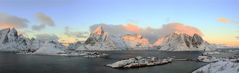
(14, 63)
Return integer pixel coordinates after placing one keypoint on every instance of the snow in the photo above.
(219, 67)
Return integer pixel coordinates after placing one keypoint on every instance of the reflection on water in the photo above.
(12, 63)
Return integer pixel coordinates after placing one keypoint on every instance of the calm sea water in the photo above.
(13, 63)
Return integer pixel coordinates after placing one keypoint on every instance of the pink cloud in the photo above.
(132, 28)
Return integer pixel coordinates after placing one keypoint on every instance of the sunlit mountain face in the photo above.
(70, 21)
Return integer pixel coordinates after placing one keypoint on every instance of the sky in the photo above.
(217, 20)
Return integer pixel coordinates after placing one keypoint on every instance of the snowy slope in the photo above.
(219, 67)
(183, 42)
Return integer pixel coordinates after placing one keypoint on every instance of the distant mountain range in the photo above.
(103, 37)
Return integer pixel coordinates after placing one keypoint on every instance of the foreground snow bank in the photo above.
(225, 66)
(139, 62)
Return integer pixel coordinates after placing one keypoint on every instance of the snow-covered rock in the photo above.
(139, 62)
(50, 48)
(219, 67)
(183, 42)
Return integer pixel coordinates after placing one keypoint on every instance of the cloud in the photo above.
(75, 34)
(38, 27)
(132, 28)
(9, 21)
(224, 20)
(44, 21)
(46, 37)
(183, 28)
(227, 21)
(154, 34)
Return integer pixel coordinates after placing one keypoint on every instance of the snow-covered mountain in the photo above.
(183, 42)
(105, 37)
(10, 41)
(101, 40)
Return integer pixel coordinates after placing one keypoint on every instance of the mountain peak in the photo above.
(14, 31)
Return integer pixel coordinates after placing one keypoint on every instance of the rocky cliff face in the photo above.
(183, 42)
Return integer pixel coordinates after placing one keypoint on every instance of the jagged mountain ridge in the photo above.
(183, 42)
